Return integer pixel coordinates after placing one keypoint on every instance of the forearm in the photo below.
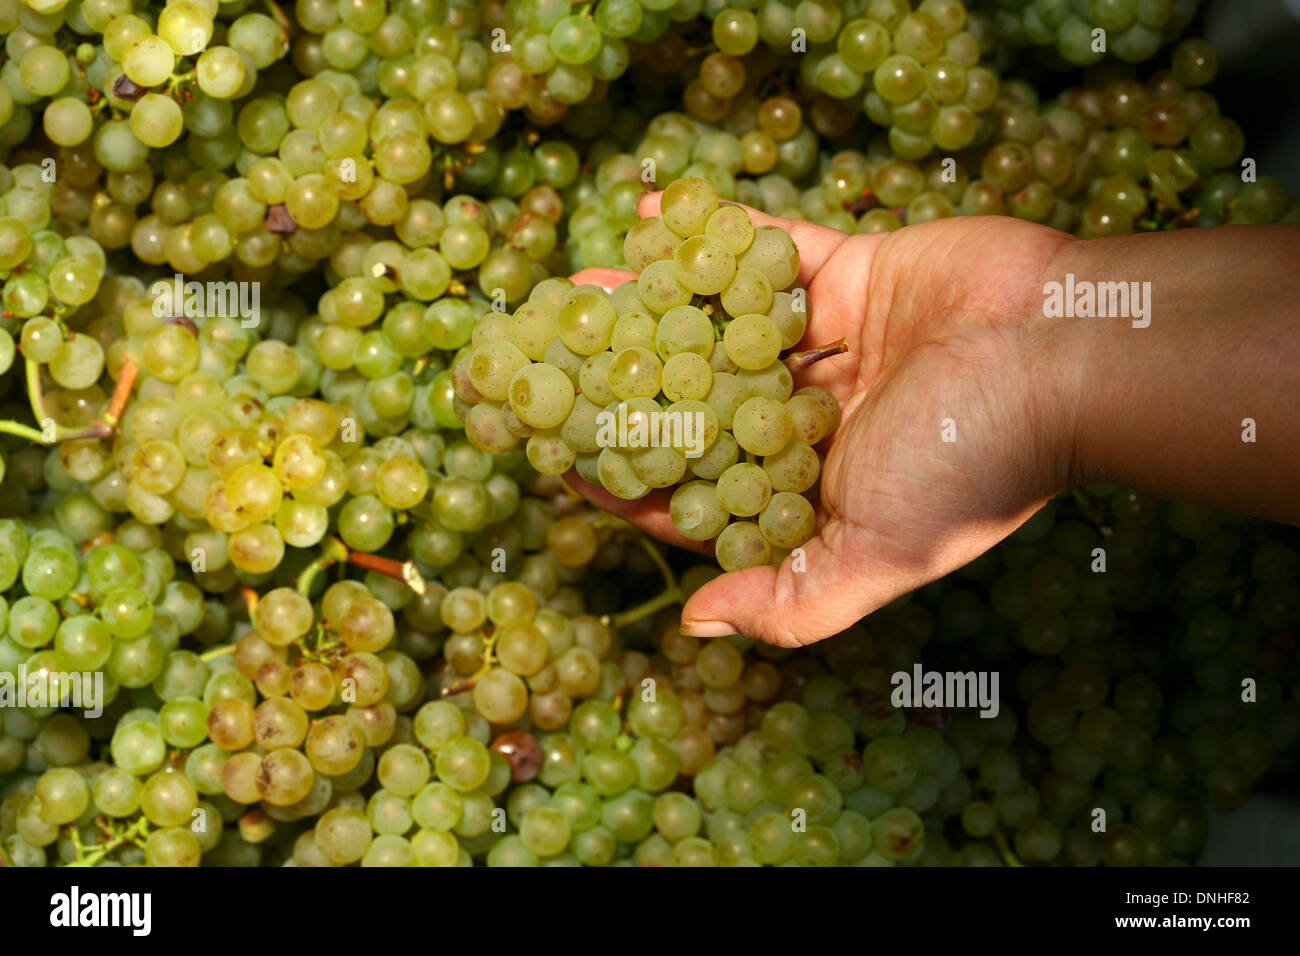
(1202, 404)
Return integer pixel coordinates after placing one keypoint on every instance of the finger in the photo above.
(838, 298)
(811, 596)
(607, 279)
(815, 243)
(650, 513)
(837, 375)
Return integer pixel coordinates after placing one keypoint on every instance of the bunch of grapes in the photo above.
(701, 332)
(47, 277)
(1082, 32)
(110, 613)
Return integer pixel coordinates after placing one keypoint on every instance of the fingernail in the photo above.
(707, 629)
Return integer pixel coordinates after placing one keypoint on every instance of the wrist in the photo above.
(1061, 355)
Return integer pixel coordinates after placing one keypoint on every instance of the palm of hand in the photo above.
(938, 451)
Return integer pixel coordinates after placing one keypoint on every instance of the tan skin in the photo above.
(947, 339)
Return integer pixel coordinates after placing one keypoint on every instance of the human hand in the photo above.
(956, 424)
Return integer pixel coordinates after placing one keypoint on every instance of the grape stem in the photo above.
(404, 571)
(798, 361)
(332, 552)
(671, 594)
(1007, 856)
(249, 594)
(281, 20)
(8, 427)
(644, 609)
(489, 638)
(136, 833)
(1091, 508)
(335, 550)
(323, 648)
(216, 652)
(177, 79)
(51, 432)
(670, 579)
(121, 391)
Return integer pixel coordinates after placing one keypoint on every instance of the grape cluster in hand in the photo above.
(699, 335)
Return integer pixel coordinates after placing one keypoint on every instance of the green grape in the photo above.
(365, 523)
(659, 286)
(752, 341)
(733, 226)
(742, 545)
(83, 642)
(1217, 141)
(704, 265)
(68, 121)
(49, 572)
(116, 792)
(795, 468)
(686, 376)
(221, 72)
(493, 366)
(744, 489)
(1194, 63)
(684, 328)
(735, 31)
(586, 320)
(762, 426)
(649, 240)
(575, 39)
(510, 851)
(658, 467)
(898, 834)
(545, 831)
(721, 455)
(541, 395)
(138, 748)
(634, 372)
(772, 253)
(44, 70)
(687, 206)
(749, 292)
(787, 521)
(617, 476)
(633, 328)
(15, 242)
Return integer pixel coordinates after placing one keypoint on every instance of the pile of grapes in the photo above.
(291, 373)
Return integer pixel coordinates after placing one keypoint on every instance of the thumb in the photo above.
(813, 595)
(604, 277)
